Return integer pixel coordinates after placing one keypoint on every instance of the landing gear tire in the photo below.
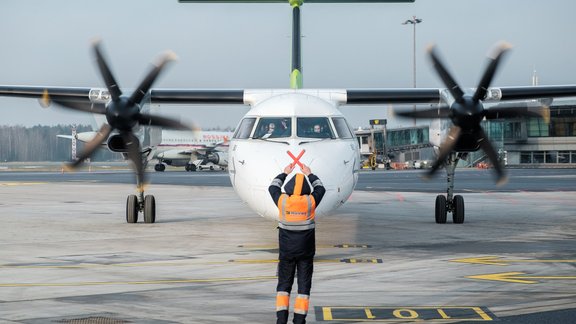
(132, 209)
(149, 209)
(190, 167)
(159, 167)
(440, 209)
(458, 213)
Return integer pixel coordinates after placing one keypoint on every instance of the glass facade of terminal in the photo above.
(562, 124)
(408, 136)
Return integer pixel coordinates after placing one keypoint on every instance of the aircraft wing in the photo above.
(356, 96)
(199, 96)
(87, 99)
(531, 92)
(39, 92)
(417, 95)
(99, 96)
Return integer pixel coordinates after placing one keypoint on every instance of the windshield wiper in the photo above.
(270, 140)
(315, 141)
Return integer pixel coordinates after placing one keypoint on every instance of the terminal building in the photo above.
(396, 148)
(523, 142)
(537, 142)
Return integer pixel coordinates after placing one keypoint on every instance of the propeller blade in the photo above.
(486, 145)
(515, 112)
(91, 146)
(440, 112)
(133, 145)
(145, 119)
(84, 106)
(145, 85)
(109, 80)
(448, 80)
(490, 72)
(445, 149)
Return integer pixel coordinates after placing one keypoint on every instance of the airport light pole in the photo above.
(414, 21)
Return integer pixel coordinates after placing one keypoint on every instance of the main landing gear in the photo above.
(159, 167)
(190, 167)
(449, 203)
(145, 204)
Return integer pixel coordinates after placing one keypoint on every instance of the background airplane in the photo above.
(192, 150)
(189, 149)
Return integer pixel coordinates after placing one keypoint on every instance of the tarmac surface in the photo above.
(68, 256)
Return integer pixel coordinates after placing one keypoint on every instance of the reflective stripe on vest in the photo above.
(296, 213)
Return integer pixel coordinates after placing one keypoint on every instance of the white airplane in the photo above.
(192, 150)
(256, 154)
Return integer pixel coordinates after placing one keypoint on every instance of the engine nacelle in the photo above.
(116, 144)
(219, 158)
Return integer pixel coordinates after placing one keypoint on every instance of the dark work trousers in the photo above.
(288, 267)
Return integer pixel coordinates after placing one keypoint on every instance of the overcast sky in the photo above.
(248, 46)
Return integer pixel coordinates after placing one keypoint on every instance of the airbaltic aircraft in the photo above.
(257, 152)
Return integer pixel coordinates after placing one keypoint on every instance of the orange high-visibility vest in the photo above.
(296, 213)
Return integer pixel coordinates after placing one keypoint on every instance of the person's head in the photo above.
(271, 127)
(297, 185)
(317, 128)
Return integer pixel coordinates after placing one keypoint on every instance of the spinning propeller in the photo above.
(122, 113)
(466, 113)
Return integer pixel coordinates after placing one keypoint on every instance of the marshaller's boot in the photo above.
(299, 319)
(282, 317)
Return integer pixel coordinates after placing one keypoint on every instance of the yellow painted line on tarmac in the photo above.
(175, 263)
(518, 277)
(320, 246)
(349, 260)
(428, 314)
(146, 282)
(496, 260)
(121, 265)
(21, 183)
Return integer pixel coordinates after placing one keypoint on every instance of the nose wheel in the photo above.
(146, 205)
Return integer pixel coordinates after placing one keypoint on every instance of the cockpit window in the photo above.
(245, 128)
(342, 127)
(314, 127)
(273, 128)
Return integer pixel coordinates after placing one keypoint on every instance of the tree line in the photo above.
(40, 143)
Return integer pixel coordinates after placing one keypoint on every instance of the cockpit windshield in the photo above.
(273, 128)
(342, 127)
(245, 128)
(314, 127)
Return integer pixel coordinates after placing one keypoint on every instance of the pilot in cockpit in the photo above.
(270, 130)
(317, 129)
